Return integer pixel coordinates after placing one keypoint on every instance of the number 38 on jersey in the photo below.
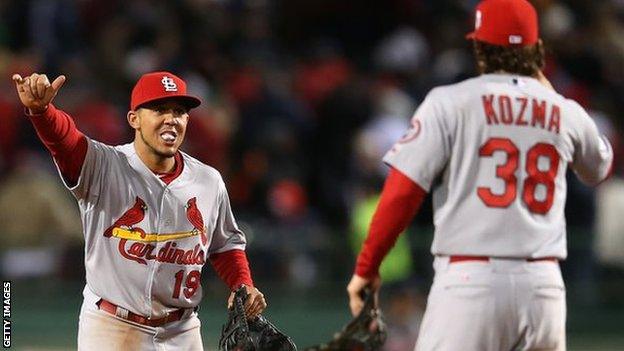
(529, 185)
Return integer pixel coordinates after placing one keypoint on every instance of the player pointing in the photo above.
(152, 216)
(494, 151)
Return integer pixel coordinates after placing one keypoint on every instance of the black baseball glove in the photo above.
(257, 334)
(366, 332)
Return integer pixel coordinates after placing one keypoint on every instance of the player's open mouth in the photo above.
(168, 137)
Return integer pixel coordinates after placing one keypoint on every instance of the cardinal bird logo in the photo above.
(131, 217)
(196, 219)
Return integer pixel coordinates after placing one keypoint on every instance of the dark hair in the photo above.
(522, 60)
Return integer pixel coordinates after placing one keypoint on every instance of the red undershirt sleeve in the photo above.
(232, 267)
(66, 143)
(400, 200)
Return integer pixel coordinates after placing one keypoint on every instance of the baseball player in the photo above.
(494, 151)
(152, 216)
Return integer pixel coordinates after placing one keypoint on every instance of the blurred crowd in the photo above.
(301, 99)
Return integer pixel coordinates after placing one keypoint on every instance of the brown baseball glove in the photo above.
(257, 334)
(366, 332)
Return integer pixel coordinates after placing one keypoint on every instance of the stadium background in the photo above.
(301, 100)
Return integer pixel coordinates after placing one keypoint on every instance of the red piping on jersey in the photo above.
(400, 200)
(171, 176)
(232, 267)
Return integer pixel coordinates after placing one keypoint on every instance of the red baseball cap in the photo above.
(159, 86)
(505, 23)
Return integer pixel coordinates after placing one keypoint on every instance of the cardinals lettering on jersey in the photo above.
(140, 252)
(145, 246)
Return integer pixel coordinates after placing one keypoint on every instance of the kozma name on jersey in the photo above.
(521, 111)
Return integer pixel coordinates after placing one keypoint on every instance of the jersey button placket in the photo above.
(154, 264)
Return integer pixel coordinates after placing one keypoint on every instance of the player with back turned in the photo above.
(152, 216)
(494, 151)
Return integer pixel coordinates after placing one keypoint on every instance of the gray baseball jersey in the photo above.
(145, 241)
(495, 150)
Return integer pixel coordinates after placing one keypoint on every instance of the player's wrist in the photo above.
(366, 272)
(33, 112)
(248, 284)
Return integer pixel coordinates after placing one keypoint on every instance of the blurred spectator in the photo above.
(39, 219)
(404, 310)
(293, 233)
(610, 227)
(301, 238)
(405, 50)
(397, 266)
(393, 109)
(579, 269)
(95, 117)
(9, 128)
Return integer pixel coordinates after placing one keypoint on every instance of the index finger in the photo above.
(353, 292)
(257, 308)
(249, 302)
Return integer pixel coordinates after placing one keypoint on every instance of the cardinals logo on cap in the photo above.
(161, 85)
(169, 84)
(478, 19)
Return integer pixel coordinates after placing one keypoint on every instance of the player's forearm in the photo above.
(400, 201)
(232, 267)
(66, 143)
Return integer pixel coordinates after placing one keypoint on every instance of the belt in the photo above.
(133, 317)
(455, 259)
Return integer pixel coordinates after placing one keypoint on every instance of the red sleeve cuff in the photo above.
(233, 268)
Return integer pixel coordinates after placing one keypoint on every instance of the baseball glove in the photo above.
(366, 332)
(257, 334)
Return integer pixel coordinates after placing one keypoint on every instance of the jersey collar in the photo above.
(137, 164)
